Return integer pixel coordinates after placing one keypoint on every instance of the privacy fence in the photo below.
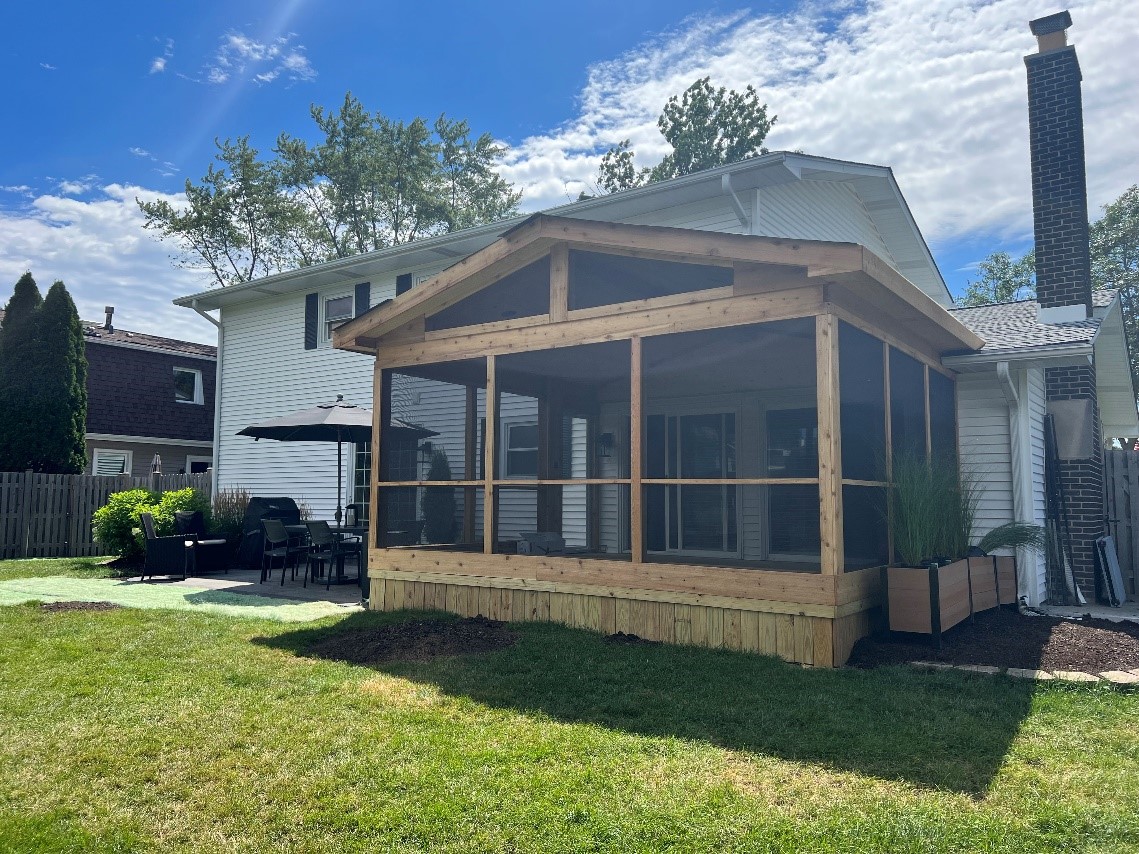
(1121, 485)
(49, 515)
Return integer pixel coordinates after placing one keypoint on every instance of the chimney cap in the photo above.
(1051, 24)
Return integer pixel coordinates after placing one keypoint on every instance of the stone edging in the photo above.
(1111, 677)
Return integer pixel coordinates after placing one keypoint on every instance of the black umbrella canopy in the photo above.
(328, 422)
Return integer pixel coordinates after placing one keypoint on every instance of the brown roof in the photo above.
(93, 331)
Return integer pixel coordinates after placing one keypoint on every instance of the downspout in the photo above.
(741, 214)
(1020, 452)
(217, 399)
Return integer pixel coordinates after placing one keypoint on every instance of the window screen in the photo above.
(863, 404)
(942, 416)
(907, 405)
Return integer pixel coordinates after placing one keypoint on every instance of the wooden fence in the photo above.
(1121, 488)
(49, 515)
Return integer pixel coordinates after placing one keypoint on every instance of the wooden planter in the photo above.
(935, 599)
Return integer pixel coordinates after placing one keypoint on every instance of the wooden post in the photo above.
(491, 430)
(636, 426)
(559, 283)
(830, 446)
(470, 448)
(928, 430)
(381, 403)
(889, 451)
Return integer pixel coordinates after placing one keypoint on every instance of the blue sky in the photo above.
(104, 106)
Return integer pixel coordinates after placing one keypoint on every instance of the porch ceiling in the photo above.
(846, 274)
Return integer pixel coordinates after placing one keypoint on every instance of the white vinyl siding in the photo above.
(1036, 562)
(983, 428)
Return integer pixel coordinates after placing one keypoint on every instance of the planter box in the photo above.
(933, 600)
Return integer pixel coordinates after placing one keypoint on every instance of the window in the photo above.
(188, 385)
(336, 311)
(110, 462)
(198, 465)
(520, 450)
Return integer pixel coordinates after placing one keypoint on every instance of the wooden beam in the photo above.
(559, 282)
(713, 314)
(636, 442)
(380, 413)
(889, 447)
(470, 449)
(489, 517)
(830, 445)
(928, 431)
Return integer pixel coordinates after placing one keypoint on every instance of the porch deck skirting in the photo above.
(807, 618)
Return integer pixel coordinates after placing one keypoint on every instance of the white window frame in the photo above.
(327, 324)
(194, 458)
(199, 397)
(504, 438)
(127, 455)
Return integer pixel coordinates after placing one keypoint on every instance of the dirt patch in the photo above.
(417, 640)
(79, 606)
(623, 639)
(1006, 638)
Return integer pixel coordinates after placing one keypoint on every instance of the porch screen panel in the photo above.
(942, 416)
(862, 401)
(523, 293)
(864, 530)
(598, 278)
(731, 447)
(907, 405)
(417, 516)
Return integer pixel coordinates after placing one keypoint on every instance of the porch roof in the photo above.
(844, 270)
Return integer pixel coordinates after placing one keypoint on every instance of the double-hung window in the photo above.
(520, 449)
(336, 311)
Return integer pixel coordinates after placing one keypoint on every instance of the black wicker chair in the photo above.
(205, 555)
(164, 555)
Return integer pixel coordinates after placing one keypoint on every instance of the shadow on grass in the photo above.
(936, 730)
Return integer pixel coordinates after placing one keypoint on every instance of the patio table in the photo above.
(343, 532)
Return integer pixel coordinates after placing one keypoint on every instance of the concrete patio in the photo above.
(248, 581)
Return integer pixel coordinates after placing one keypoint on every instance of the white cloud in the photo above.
(933, 88)
(158, 64)
(265, 61)
(138, 152)
(19, 189)
(100, 250)
(47, 66)
(77, 186)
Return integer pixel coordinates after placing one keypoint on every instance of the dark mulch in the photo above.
(79, 606)
(1006, 638)
(416, 640)
(628, 639)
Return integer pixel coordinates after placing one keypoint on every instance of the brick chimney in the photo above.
(1059, 183)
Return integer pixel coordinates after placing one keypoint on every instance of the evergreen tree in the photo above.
(62, 386)
(19, 343)
(438, 502)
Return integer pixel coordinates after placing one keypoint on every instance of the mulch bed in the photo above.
(79, 606)
(416, 640)
(1005, 638)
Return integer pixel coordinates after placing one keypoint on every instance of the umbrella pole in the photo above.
(339, 476)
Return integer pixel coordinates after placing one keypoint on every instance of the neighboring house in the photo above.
(778, 324)
(147, 395)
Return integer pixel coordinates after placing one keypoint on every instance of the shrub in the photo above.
(229, 511)
(114, 523)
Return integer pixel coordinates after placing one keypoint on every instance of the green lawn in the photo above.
(154, 729)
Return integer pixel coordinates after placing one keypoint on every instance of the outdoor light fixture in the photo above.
(605, 442)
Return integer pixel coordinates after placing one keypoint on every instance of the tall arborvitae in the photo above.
(62, 398)
(19, 352)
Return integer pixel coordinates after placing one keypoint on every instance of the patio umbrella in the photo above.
(337, 422)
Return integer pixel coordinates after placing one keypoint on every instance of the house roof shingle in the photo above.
(1014, 326)
(94, 331)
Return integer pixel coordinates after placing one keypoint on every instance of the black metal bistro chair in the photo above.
(279, 545)
(328, 550)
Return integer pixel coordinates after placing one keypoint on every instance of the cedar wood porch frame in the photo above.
(774, 279)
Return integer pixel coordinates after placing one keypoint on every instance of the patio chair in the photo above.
(205, 555)
(279, 544)
(164, 555)
(327, 550)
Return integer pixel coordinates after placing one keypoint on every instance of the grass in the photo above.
(140, 730)
(68, 567)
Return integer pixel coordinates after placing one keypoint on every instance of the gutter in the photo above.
(216, 452)
(1083, 349)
